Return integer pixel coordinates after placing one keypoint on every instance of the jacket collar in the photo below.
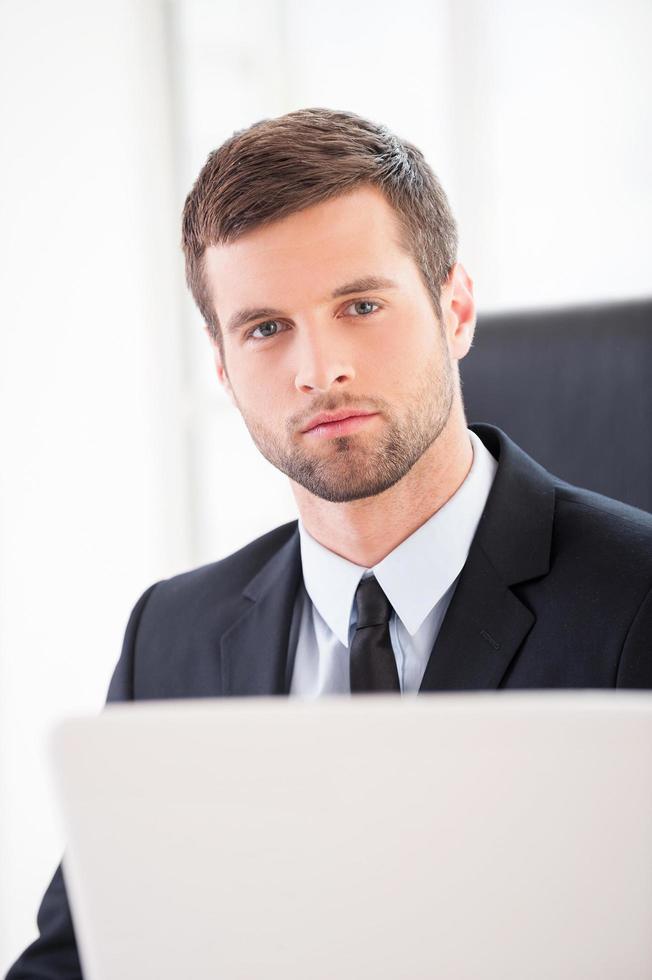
(255, 647)
(516, 527)
(485, 622)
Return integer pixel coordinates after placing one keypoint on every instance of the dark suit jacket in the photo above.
(556, 593)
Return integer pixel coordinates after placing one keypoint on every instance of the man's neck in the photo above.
(365, 531)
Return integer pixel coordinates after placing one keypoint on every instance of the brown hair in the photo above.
(279, 166)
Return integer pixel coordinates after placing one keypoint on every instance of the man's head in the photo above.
(321, 252)
(279, 166)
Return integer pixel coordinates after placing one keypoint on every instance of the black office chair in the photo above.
(573, 388)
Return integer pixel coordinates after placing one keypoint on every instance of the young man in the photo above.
(428, 556)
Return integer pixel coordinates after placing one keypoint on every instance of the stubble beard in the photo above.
(356, 467)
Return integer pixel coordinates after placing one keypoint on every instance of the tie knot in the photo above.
(373, 606)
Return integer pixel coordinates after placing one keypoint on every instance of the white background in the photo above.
(121, 461)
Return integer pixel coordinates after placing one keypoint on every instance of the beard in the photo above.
(363, 464)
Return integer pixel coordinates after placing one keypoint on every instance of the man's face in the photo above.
(303, 333)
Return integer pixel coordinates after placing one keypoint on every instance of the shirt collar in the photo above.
(434, 554)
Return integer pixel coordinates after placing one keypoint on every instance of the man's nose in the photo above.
(324, 361)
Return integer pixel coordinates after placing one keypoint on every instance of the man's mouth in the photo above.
(337, 423)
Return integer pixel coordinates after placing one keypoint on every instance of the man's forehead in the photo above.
(314, 253)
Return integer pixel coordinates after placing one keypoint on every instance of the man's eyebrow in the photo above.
(362, 285)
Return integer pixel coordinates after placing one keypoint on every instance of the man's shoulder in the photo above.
(615, 537)
(606, 511)
(538, 526)
(175, 629)
(235, 570)
(522, 480)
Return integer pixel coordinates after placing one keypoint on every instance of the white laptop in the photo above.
(480, 836)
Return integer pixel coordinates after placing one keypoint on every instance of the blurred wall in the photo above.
(93, 493)
(122, 461)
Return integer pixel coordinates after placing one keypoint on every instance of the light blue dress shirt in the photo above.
(418, 577)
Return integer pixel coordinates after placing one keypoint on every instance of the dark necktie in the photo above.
(372, 665)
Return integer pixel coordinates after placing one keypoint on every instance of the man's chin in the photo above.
(349, 472)
(342, 489)
(336, 495)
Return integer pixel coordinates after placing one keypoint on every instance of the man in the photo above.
(428, 556)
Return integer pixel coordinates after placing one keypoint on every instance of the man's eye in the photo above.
(363, 307)
(267, 329)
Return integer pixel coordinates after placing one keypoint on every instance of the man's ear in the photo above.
(458, 311)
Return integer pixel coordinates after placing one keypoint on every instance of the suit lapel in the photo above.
(486, 622)
(255, 648)
(484, 626)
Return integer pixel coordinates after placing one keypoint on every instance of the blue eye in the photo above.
(364, 303)
(263, 327)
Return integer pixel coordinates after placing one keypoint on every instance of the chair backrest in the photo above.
(573, 388)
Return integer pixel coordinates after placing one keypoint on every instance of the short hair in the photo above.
(279, 166)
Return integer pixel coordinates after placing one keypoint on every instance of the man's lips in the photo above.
(337, 423)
